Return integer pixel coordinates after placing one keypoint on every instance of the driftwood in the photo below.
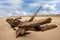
(30, 24)
(13, 22)
(34, 23)
(21, 31)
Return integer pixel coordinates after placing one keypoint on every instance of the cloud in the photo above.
(50, 7)
(23, 8)
(51, 2)
(20, 13)
(3, 13)
(8, 7)
(55, 0)
(33, 4)
(15, 2)
(45, 13)
(16, 13)
(48, 13)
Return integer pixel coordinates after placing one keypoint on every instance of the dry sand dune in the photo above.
(7, 33)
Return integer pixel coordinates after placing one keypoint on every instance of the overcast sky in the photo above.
(28, 7)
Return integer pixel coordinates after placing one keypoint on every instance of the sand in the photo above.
(7, 33)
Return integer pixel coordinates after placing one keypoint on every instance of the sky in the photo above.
(28, 7)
